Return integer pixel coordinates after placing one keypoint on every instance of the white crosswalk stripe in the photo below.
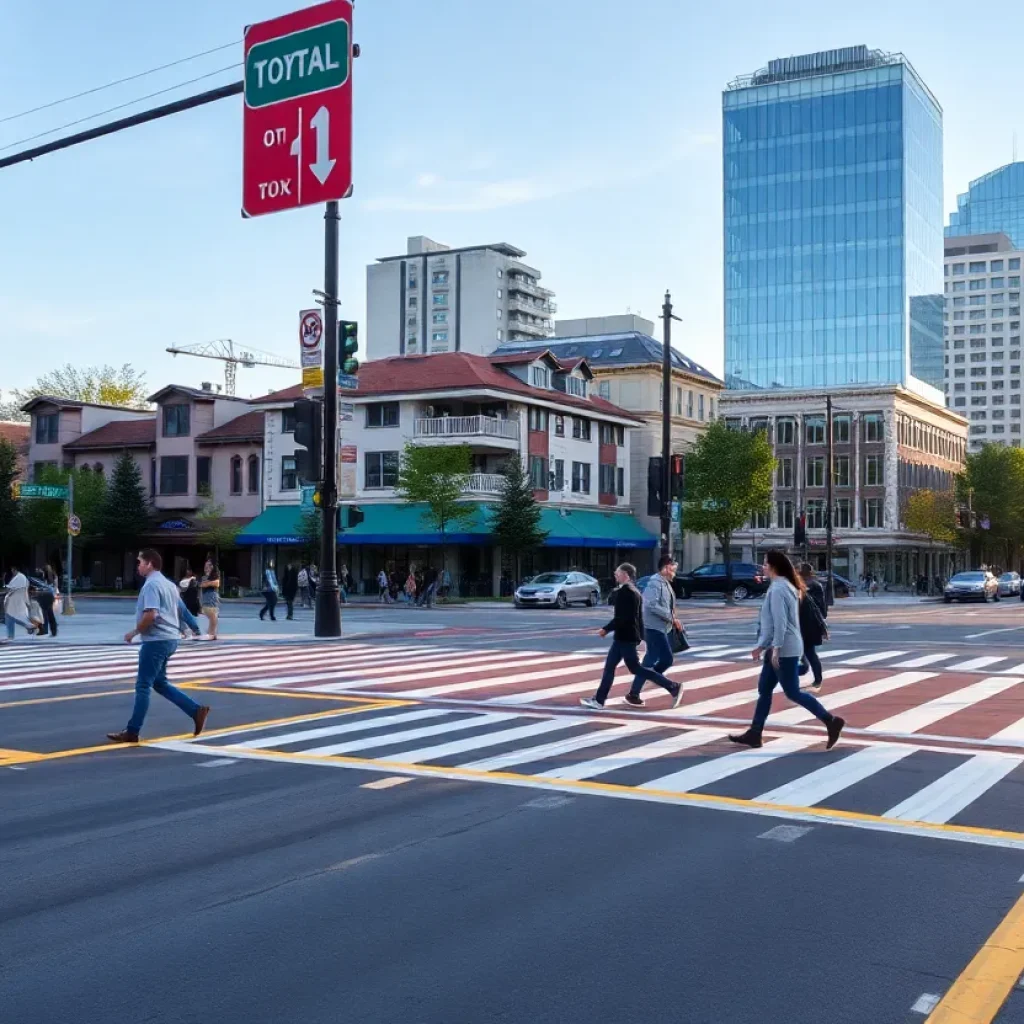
(874, 656)
(722, 652)
(730, 700)
(538, 727)
(1015, 670)
(916, 718)
(842, 698)
(355, 725)
(407, 735)
(925, 659)
(974, 664)
(827, 653)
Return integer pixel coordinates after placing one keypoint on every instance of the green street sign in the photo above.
(298, 64)
(43, 491)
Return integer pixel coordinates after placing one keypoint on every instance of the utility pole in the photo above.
(328, 597)
(666, 427)
(68, 606)
(829, 586)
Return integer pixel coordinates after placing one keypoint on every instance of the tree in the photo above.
(125, 515)
(933, 514)
(993, 486)
(311, 531)
(102, 384)
(516, 521)
(436, 477)
(213, 531)
(728, 480)
(45, 519)
(10, 409)
(10, 510)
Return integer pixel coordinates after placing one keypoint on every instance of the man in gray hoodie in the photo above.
(659, 617)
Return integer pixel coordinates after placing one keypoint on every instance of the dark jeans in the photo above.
(46, 607)
(269, 603)
(153, 658)
(811, 659)
(289, 603)
(786, 677)
(659, 656)
(621, 651)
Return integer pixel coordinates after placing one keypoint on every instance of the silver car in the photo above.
(1009, 585)
(977, 585)
(558, 590)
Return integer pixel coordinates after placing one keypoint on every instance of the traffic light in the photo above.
(654, 486)
(677, 483)
(309, 457)
(800, 530)
(348, 345)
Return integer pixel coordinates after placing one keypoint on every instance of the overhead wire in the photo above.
(119, 81)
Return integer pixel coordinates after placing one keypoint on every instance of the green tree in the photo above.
(933, 514)
(10, 510)
(44, 520)
(311, 531)
(516, 520)
(728, 480)
(436, 477)
(993, 486)
(103, 384)
(213, 531)
(125, 514)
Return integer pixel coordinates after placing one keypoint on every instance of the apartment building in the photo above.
(982, 336)
(433, 298)
(888, 442)
(627, 366)
(574, 444)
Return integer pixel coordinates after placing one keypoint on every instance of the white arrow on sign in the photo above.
(323, 165)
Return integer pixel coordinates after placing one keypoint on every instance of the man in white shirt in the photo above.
(16, 603)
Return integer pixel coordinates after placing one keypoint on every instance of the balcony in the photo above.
(483, 483)
(534, 306)
(443, 428)
(528, 286)
(535, 328)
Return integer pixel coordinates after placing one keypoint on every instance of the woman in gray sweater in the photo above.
(780, 642)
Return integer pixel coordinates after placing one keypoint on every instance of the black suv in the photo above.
(747, 580)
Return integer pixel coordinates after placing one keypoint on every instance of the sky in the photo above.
(586, 133)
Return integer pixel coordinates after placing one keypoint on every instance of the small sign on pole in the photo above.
(74, 525)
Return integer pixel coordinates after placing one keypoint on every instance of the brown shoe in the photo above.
(200, 719)
(124, 736)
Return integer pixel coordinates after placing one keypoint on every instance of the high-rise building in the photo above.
(983, 350)
(437, 299)
(993, 203)
(833, 224)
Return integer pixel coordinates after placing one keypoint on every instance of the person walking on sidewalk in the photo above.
(289, 588)
(303, 588)
(16, 603)
(269, 593)
(209, 596)
(156, 623)
(659, 620)
(188, 609)
(813, 631)
(626, 628)
(46, 595)
(779, 640)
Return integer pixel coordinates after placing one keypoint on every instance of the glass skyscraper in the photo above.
(833, 223)
(992, 203)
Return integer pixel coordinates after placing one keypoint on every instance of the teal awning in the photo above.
(400, 523)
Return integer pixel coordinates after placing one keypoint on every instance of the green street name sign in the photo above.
(42, 491)
(298, 64)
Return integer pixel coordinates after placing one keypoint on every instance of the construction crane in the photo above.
(224, 350)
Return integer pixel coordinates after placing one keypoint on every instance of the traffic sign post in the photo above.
(311, 348)
(297, 129)
(42, 491)
(68, 606)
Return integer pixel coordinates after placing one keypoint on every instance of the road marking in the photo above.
(491, 739)
(388, 783)
(834, 654)
(785, 833)
(54, 700)
(973, 664)
(483, 683)
(869, 659)
(793, 716)
(729, 700)
(407, 735)
(989, 632)
(924, 659)
(1013, 670)
(979, 993)
(922, 715)
(322, 732)
(949, 795)
(925, 1003)
(219, 762)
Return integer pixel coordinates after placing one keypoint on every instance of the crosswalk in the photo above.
(865, 780)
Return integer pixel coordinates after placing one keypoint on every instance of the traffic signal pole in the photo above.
(328, 598)
(829, 586)
(666, 428)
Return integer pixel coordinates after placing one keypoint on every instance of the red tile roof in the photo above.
(117, 434)
(247, 427)
(286, 395)
(18, 435)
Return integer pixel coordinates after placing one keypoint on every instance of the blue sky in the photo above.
(586, 133)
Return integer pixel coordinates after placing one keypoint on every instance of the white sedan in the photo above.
(558, 590)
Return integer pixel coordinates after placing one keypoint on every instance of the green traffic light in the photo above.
(351, 366)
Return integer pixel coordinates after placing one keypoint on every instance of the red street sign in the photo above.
(297, 123)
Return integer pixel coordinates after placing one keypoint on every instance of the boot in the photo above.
(751, 738)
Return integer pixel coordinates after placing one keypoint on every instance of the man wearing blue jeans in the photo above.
(659, 617)
(157, 624)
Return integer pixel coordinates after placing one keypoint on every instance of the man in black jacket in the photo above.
(813, 612)
(626, 628)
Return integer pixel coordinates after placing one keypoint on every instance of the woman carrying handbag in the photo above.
(663, 632)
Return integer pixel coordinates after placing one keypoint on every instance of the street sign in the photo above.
(347, 381)
(311, 337)
(297, 122)
(43, 491)
(307, 494)
(346, 412)
(675, 511)
(74, 525)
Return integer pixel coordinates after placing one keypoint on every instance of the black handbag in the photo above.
(677, 640)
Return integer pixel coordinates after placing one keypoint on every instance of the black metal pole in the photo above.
(829, 586)
(666, 429)
(328, 600)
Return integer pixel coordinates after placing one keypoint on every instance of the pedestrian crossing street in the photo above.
(961, 794)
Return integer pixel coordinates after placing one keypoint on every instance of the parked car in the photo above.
(842, 587)
(747, 580)
(559, 590)
(1009, 585)
(978, 585)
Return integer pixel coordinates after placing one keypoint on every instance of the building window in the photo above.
(844, 513)
(439, 336)
(559, 426)
(581, 478)
(383, 414)
(176, 420)
(48, 428)
(413, 302)
(289, 478)
(538, 419)
(841, 429)
(814, 430)
(999, 282)
(538, 472)
(604, 390)
(381, 469)
(785, 513)
(785, 431)
(437, 318)
(540, 376)
(977, 285)
(620, 482)
(814, 472)
(815, 510)
(580, 428)
(996, 265)
(499, 334)
(874, 426)
(689, 404)
(873, 517)
(760, 520)
(439, 277)
(174, 473)
(236, 474)
(677, 395)
(872, 470)
(977, 267)
(606, 479)
(958, 268)
(959, 286)
(576, 386)
(700, 406)
(784, 473)
(440, 298)
(841, 470)
(558, 475)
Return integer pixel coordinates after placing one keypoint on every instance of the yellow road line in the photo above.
(16, 756)
(986, 982)
(203, 684)
(55, 700)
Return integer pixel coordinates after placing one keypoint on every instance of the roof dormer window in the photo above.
(576, 386)
(540, 377)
